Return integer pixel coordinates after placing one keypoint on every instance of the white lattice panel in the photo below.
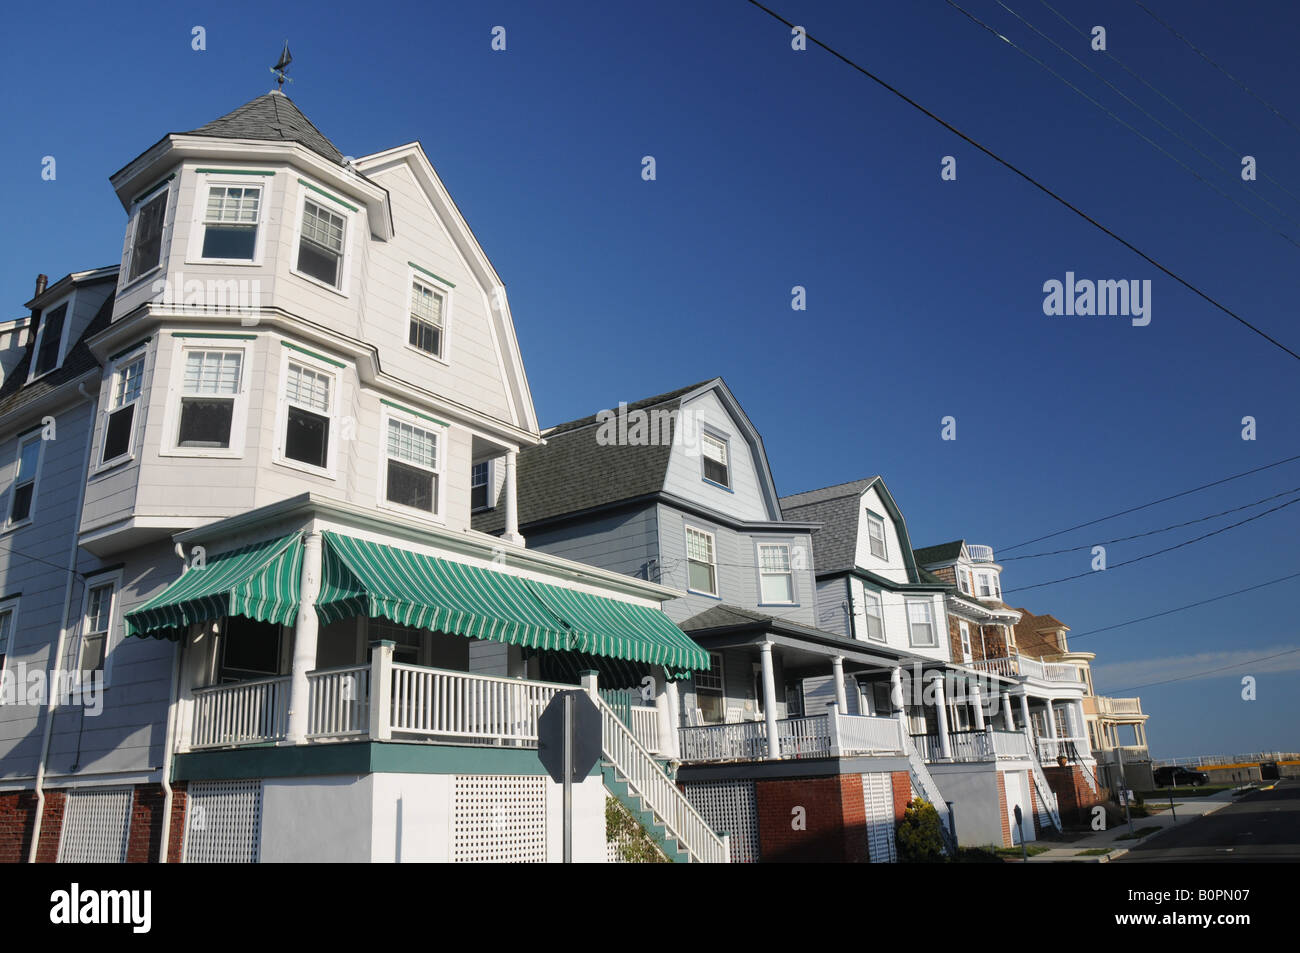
(223, 822)
(878, 795)
(96, 823)
(729, 806)
(498, 818)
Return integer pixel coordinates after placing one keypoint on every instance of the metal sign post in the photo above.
(568, 745)
(568, 778)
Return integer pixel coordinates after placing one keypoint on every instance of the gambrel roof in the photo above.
(274, 117)
(943, 553)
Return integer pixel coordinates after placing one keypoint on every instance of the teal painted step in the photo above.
(622, 792)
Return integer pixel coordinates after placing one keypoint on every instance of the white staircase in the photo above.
(923, 782)
(1048, 809)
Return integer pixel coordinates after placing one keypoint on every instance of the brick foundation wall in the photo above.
(1002, 809)
(1033, 805)
(17, 818)
(176, 843)
(835, 823)
(902, 794)
(1074, 797)
(47, 851)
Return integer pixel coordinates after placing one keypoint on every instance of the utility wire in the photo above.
(1163, 499)
(1205, 56)
(1031, 180)
(1167, 549)
(1208, 671)
(1120, 63)
(1153, 532)
(1131, 128)
(1191, 605)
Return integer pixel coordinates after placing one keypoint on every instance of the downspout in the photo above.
(169, 748)
(57, 659)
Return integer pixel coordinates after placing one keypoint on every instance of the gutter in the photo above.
(57, 658)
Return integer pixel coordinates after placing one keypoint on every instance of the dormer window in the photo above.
(49, 342)
(320, 244)
(147, 235)
(716, 466)
(876, 535)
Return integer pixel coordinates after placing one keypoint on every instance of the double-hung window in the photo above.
(713, 450)
(965, 641)
(701, 563)
(412, 464)
(875, 615)
(96, 627)
(985, 586)
(7, 613)
(963, 580)
(230, 222)
(125, 387)
(211, 383)
(309, 395)
(709, 694)
(427, 318)
(49, 341)
(876, 535)
(920, 619)
(146, 249)
(480, 481)
(320, 244)
(776, 580)
(22, 492)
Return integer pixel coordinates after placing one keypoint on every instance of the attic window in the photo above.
(49, 348)
(427, 307)
(876, 535)
(714, 452)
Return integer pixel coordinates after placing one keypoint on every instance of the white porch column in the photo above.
(941, 711)
(674, 721)
(1051, 720)
(837, 673)
(1081, 728)
(896, 705)
(1008, 716)
(976, 700)
(305, 631)
(769, 701)
(512, 507)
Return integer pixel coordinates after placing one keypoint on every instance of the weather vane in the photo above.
(281, 66)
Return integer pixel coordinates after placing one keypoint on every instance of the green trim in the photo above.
(359, 757)
(238, 171)
(335, 198)
(214, 334)
(153, 188)
(127, 350)
(449, 284)
(415, 413)
(319, 357)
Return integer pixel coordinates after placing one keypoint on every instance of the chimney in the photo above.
(41, 282)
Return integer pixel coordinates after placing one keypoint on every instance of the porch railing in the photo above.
(1118, 706)
(987, 745)
(339, 702)
(1021, 666)
(645, 726)
(241, 713)
(807, 737)
(1049, 749)
(810, 736)
(430, 701)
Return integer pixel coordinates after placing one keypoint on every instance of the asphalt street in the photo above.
(1261, 826)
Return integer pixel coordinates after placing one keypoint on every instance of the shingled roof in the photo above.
(835, 545)
(943, 553)
(274, 117)
(16, 392)
(572, 472)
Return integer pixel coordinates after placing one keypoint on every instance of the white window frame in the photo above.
(985, 586)
(964, 628)
(713, 552)
(169, 215)
(717, 671)
(323, 199)
(438, 287)
(912, 623)
(868, 597)
(440, 432)
(115, 369)
(198, 227)
(68, 303)
(963, 581)
(1010, 633)
(176, 382)
(291, 356)
(726, 451)
(10, 606)
(489, 465)
(872, 520)
(96, 581)
(789, 558)
(36, 436)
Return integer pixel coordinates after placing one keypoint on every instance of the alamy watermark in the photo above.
(1127, 298)
(19, 686)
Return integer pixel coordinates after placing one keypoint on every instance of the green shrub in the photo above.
(634, 843)
(920, 836)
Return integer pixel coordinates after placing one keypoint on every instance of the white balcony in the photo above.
(991, 744)
(979, 554)
(1020, 666)
(1118, 706)
(814, 736)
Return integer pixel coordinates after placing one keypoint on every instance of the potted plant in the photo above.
(1062, 760)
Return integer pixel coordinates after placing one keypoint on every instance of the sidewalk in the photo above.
(1112, 839)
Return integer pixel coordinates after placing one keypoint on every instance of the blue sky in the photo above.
(778, 168)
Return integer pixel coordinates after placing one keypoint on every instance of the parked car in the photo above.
(1172, 776)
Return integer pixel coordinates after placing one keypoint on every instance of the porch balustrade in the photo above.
(812, 736)
(988, 745)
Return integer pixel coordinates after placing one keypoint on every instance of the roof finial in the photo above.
(281, 66)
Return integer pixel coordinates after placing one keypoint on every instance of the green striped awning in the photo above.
(258, 581)
(359, 577)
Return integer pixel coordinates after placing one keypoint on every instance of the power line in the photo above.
(1163, 499)
(1190, 605)
(1205, 56)
(1133, 129)
(1208, 671)
(1031, 180)
(1158, 552)
(1153, 532)
(1120, 63)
